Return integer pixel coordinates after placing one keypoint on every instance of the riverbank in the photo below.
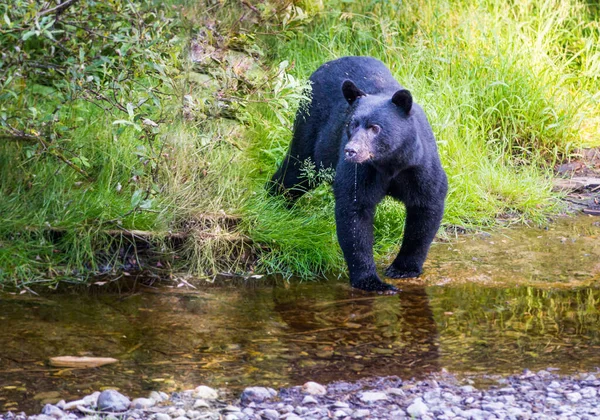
(531, 395)
(158, 163)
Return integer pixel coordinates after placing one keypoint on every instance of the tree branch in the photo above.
(62, 6)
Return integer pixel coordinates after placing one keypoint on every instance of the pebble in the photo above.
(142, 403)
(52, 411)
(418, 408)
(372, 396)
(361, 413)
(309, 400)
(257, 394)
(72, 404)
(111, 400)
(200, 403)
(314, 388)
(205, 392)
(534, 396)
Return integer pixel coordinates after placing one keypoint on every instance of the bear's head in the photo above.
(380, 128)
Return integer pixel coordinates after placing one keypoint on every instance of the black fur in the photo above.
(361, 122)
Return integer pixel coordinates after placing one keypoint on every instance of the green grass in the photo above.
(509, 89)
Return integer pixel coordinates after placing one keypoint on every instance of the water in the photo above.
(485, 318)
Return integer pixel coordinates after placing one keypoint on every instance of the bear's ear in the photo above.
(351, 92)
(403, 100)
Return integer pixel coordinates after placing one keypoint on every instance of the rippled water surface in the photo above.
(475, 311)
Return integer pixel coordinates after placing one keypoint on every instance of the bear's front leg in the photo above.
(422, 223)
(354, 211)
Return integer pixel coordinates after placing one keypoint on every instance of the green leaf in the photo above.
(136, 198)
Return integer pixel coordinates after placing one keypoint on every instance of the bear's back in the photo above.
(368, 74)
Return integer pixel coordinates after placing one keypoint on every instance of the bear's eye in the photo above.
(375, 128)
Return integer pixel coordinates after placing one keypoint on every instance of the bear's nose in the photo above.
(350, 152)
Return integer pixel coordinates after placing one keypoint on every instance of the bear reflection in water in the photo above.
(345, 336)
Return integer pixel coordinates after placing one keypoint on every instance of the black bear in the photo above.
(364, 124)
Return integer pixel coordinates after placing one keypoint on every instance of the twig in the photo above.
(251, 7)
(58, 8)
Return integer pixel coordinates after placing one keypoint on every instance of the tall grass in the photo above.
(510, 89)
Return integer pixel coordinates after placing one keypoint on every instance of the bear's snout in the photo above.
(350, 152)
(356, 154)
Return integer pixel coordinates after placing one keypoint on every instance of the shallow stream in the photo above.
(495, 304)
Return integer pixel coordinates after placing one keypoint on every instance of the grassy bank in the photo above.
(163, 126)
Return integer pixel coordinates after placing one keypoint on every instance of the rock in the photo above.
(193, 414)
(574, 397)
(516, 412)
(397, 414)
(142, 403)
(270, 414)
(158, 396)
(418, 408)
(372, 396)
(257, 394)
(339, 414)
(396, 391)
(73, 404)
(161, 416)
(474, 414)
(111, 400)
(205, 392)
(200, 403)
(52, 411)
(341, 404)
(301, 410)
(92, 399)
(588, 392)
(314, 388)
(309, 400)
(467, 389)
(361, 413)
(492, 407)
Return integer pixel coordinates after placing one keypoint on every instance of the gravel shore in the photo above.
(541, 395)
